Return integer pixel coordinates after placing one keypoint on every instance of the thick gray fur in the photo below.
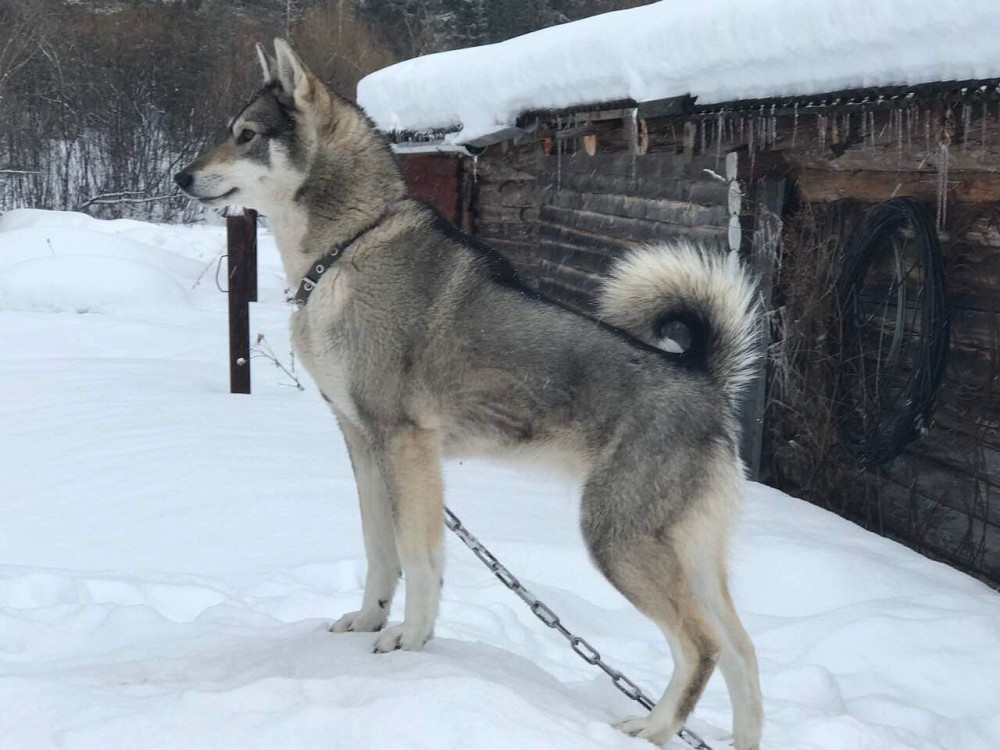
(426, 346)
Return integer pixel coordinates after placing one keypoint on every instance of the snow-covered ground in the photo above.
(171, 555)
(715, 50)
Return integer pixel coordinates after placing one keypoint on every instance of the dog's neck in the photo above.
(290, 225)
(302, 238)
(348, 189)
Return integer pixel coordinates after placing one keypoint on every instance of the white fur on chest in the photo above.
(312, 330)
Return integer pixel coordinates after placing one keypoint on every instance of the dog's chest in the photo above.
(326, 360)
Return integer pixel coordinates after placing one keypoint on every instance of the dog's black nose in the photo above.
(184, 180)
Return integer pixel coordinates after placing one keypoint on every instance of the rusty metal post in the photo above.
(241, 237)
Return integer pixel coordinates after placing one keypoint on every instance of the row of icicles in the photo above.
(907, 126)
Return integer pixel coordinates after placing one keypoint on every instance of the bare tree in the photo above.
(101, 102)
(23, 24)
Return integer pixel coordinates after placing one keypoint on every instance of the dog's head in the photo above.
(271, 142)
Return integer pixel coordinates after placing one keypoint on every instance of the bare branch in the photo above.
(109, 199)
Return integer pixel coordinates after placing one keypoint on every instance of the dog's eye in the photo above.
(246, 135)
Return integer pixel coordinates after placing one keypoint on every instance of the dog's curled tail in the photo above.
(693, 301)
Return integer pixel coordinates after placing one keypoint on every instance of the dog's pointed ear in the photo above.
(295, 77)
(268, 66)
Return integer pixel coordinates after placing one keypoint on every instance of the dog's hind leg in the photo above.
(627, 538)
(738, 662)
(660, 591)
(701, 540)
(412, 463)
(671, 567)
(380, 543)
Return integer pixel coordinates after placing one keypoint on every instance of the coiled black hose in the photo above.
(875, 430)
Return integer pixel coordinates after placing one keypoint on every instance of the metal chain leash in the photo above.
(542, 611)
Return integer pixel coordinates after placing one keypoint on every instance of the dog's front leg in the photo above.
(412, 464)
(380, 542)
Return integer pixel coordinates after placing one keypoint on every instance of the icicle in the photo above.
(909, 128)
(795, 124)
(899, 136)
(942, 188)
(983, 137)
(966, 124)
(635, 142)
(927, 131)
(720, 123)
(475, 168)
(821, 125)
(559, 150)
(701, 136)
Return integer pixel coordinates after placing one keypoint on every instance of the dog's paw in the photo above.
(645, 728)
(360, 622)
(399, 637)
(745, 742)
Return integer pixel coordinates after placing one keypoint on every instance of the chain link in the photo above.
(544, 613)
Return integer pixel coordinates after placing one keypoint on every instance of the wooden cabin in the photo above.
(575, 187)
(787, 182)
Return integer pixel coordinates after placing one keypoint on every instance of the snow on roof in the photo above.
(715, 50)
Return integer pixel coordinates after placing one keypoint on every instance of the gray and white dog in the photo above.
(426, 346)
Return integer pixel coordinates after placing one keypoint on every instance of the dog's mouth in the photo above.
(217, 198)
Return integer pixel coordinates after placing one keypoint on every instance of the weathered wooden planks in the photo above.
(435, 178)
(822, 185)
(573, 195)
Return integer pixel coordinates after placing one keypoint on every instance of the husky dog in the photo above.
(425, 345)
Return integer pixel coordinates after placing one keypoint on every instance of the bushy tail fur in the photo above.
(681, 295)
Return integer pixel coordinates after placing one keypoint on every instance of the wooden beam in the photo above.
(820, 185)
(616, 206)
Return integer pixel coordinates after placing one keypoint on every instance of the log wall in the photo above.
(567, 198)
(594, 207)
(562, 218)
(507, 203)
